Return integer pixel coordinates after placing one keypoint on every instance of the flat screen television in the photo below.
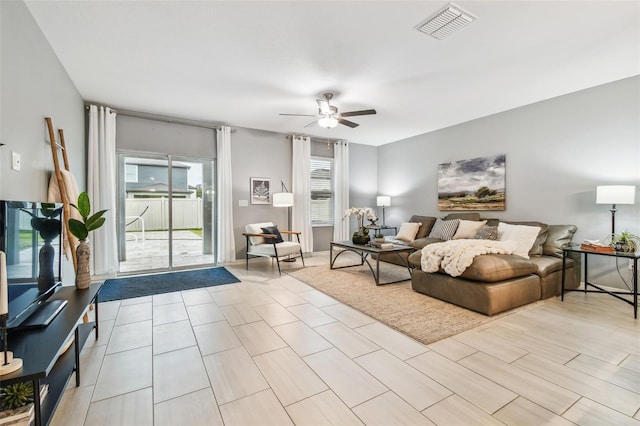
(30, 236)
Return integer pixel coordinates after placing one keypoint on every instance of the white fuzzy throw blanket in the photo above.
(454, 256)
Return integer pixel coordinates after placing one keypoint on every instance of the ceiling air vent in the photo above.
(446, 22)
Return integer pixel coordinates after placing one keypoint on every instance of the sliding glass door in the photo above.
(165, 212)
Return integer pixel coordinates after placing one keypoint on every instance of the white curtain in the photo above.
(226, 250)
(341, 179)
(101, 187)
(301, 188)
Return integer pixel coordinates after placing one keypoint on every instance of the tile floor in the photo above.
(273, 351)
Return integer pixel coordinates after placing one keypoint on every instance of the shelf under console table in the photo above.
(39, 348)
(632, 257)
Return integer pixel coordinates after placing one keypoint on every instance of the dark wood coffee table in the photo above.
(364, 252)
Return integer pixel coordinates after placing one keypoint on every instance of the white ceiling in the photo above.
(241, 63)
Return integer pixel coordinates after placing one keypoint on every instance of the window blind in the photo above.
(321, 191)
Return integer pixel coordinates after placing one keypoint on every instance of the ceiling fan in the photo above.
(328, 115)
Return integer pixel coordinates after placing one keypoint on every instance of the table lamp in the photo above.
(383, 201)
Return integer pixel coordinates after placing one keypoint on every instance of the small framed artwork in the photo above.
(260, 190)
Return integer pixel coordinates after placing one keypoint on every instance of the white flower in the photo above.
(361, 212)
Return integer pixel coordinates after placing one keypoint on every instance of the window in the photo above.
(321, 191)
(131, 173)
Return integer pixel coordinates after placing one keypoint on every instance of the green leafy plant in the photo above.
(379, 235)
(626, 242)
(16, 395)
(90, 222)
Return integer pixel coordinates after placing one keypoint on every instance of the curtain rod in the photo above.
(167, 119)
(319, 140)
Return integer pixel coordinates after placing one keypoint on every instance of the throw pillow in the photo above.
(467, 229)
(487, 233)
(444, 229)
(522, 237)
(408, 231)
(273, 230)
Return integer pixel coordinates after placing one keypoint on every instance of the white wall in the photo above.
(557, 152)
(33, 85)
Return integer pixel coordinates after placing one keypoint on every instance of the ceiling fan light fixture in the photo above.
(445, 22)
(328, 122)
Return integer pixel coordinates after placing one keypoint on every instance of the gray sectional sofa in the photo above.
(494, 283)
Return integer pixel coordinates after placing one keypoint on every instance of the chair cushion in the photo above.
(487, 232)
(256, 228)
(284, 248)
(492, 268)
(273, 230)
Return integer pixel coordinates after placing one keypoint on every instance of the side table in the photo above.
(381, 228)
(633, 257)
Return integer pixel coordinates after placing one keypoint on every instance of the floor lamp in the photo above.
(285, 199)
(615, 194)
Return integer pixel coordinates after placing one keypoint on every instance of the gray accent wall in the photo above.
(34, 85)
(557, 152)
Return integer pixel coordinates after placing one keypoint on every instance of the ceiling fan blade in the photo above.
(299, 115)
(347, 123)
(323, 104)
(354, 113)
(313, 123)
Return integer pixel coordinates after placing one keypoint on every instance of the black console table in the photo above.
(39, 349)
(631, 257)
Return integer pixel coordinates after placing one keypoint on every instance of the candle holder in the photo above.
(8, 364)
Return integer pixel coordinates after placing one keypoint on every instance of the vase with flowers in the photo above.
(362, 235)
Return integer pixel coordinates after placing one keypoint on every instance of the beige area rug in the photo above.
(421, 317)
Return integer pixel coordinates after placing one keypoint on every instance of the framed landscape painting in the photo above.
(260, 190)
(475, 184)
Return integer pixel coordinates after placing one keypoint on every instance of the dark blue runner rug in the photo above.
(145, 285)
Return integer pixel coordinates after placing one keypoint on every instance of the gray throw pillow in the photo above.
(487, 233)
(444, 229)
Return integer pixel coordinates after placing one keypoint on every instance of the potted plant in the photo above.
(362, 235)
(625, 242)
(80, 229)
(378, 238)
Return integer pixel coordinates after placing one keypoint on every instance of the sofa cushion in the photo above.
(521, 237)
(408, 231)
(463, 216)
(537, 247)
(548, 264)
(558, 236)
(427, 224)
(414, 259)
(444, 229)
(467, 229)
(492, 268)
(487, 233)
(421, 242)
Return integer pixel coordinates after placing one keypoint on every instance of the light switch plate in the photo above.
(243, 203)
(15, 161)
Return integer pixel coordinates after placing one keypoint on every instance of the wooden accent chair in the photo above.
(265, 244)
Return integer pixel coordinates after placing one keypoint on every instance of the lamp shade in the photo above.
(383, 201)
(283, 199)
(616, 194)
